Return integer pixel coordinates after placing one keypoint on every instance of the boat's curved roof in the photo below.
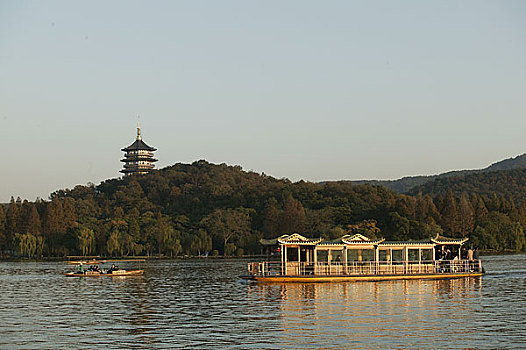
(358, 240)
(354, 240)
(448, 240)
(296, 238)
(422, 242)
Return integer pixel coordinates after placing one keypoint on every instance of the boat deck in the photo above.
(362, 271)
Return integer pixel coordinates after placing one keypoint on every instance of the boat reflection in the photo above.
(385, 310)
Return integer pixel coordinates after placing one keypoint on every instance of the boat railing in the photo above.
(276, 268)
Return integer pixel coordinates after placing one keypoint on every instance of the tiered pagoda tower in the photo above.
(139, 156)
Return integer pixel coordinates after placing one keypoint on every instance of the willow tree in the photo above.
(85, 240)
(112, 245)
(27, 244)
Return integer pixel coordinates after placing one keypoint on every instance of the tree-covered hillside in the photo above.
(413, 184)
(511, 184)
(203, 208)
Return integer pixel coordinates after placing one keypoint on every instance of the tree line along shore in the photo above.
(204, 209)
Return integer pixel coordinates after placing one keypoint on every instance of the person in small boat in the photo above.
(113, 268)
(80, 268)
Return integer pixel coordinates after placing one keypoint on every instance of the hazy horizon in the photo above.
(319, 91)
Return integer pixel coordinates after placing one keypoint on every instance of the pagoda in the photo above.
(139, 156)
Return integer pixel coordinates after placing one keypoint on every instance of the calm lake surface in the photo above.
(203, 304)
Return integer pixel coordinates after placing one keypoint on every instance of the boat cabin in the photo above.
(359, 255)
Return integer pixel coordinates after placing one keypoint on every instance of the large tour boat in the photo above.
(358, 258)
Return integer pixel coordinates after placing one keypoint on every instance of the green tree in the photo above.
(40, 245)
(113, 245)
(401, 226)
(479, 207)
(3, 234)
(228, 224)
(426, 211)
(171, 242)
(53, 229)
(466, 215)
(27, 244)
(164, 234)
(13, 217)
(85, 240)
(368, 228)
(32, 222)
(200, 242)
(450, 217)
(134, 233)
(498, 232)
(271, 219)
(293, 217)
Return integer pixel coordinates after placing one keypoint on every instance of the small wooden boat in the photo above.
(119, 273)
(94, 269)
(358, 258)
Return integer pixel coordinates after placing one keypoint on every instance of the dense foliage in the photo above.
(415, 184)
(509, 183)
(202, 208)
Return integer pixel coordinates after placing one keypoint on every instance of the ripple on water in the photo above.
(202, 304)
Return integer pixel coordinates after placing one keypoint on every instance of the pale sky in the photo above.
(313, 90)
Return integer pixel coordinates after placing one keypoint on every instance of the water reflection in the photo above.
(351, 314)
(202, 304)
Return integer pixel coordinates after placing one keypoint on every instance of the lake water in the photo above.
(203, 304)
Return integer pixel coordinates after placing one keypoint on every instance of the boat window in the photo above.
(352, 255)
(382, 255)
(337, 256)
(367, 254)
(322, 256)
(427, 254)
(397, 255)
(292, 254)
(412, 254)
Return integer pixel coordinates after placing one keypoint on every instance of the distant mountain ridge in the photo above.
(407, 184)
(509, 184)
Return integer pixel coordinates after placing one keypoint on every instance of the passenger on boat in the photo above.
(454, 264)
(470, 254)
(113, 268)
(442, 267)
(81, 268)
(448, 254)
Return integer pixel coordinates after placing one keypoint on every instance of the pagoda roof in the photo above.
(139, 144)
(136, 170)
(136, 159)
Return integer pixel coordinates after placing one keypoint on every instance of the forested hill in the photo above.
(203, 208)
(511, 184)
(409, 183)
